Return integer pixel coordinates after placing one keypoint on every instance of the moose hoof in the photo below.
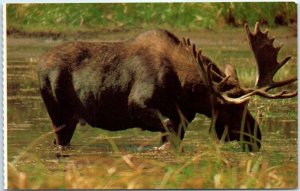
(62, 151)
(164, 147)
(168, 146)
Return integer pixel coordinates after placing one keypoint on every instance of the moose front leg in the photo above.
(173, 136)
(176, 124)
(153, 120)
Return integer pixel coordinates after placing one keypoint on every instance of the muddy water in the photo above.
(29, 127)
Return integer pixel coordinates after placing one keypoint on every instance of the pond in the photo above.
(32, 157)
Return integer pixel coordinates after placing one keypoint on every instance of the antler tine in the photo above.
(266, 61)
(209, 75)
(200, 60)
(282, 83)
(282, 94)
(183, 41)
(257, 28)
(194, 50)
(223, 81)
(188, 42)
(204, 70)
(199, 54)
(246, 26)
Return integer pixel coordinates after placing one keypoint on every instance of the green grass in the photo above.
(121, 16)
(212, 168)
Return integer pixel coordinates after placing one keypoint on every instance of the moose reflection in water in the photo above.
(156, 82)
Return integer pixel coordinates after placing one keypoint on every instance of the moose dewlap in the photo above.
(156, 82)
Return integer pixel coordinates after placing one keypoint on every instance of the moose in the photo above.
(158, 83)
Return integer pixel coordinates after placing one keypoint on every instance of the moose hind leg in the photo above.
(63, 133)
(63, 123)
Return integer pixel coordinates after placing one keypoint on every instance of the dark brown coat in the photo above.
(146, 83)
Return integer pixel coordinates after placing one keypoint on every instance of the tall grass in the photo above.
(65, 17)
(213, 168)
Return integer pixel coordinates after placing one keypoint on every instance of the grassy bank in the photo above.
(64, 18)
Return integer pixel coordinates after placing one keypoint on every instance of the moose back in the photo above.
(156, 82)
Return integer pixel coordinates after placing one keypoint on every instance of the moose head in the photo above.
(231, 119)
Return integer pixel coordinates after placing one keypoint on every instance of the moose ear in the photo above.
(229, 70)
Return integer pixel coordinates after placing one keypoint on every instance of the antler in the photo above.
(267, 65)
(213, 78)
(206, 72)
(266, 58)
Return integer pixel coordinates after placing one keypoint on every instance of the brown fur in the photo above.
(116, 86)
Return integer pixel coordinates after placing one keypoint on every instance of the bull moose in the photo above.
(156, 82)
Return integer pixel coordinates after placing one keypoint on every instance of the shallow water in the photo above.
(29, 127)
